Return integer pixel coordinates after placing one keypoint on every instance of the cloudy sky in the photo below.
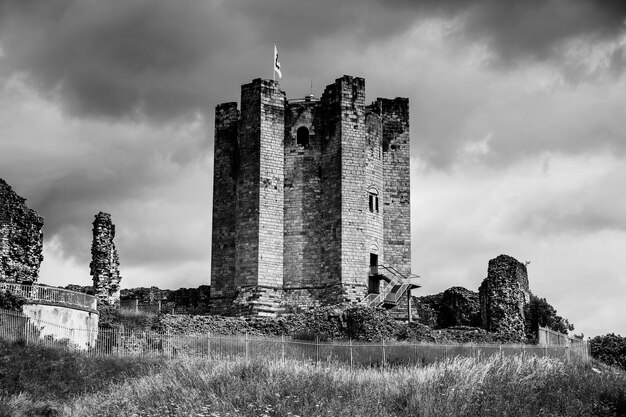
(518, 128)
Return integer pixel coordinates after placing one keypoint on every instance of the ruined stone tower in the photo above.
(21, 238)
(309, 197)
(104, 261)
(503, 295)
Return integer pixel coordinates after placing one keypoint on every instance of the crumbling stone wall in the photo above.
(459, 307)
(456, 306)
(21, 238)
(503, 295)
(105, 261)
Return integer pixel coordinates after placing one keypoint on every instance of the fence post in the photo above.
(118, 340)
(246, 346)
(500, 351)
(208, 345)
(317, 350)
(169, 345)
(282, 346)
(383, 364)
(350, 353)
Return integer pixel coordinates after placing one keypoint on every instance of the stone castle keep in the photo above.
(310, 197)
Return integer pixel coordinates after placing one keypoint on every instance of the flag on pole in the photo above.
(277, 62)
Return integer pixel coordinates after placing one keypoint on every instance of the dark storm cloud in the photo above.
(515, 30)
(122, 58)
(116, 58)
(538, 30)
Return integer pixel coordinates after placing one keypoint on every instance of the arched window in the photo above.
(373, 199)
(303, 136)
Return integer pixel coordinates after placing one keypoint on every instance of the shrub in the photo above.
(610, 349)
(10, 301)
(112, 317)
(538, 312)
(370, 324)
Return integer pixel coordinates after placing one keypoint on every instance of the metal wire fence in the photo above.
(126, 342)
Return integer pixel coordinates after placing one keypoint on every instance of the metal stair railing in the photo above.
(393, 297)
(386, 295)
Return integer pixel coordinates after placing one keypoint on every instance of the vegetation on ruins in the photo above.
(39, 381)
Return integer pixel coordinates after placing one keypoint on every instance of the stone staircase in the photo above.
(397, 285)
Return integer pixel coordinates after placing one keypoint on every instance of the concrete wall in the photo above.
(58, 322)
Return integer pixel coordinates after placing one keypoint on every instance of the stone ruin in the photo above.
(503, 295)
(459, 307)
(498, 307)
(21, 238)
(105, 261)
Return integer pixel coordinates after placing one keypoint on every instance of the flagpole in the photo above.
(274, 63)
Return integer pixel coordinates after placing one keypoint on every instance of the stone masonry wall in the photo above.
(272, 177)
(303, 237)
(328, 126)
(105, 261)
(248, 190)
(397, 183)
(373, 182)
(354, 201)
(503, 295)
(225, 168)
(21, 238)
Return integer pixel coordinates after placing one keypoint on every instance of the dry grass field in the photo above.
(40, 381)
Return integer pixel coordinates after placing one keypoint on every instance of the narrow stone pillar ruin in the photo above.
(503, 295)
(105, 261)
(21, 238)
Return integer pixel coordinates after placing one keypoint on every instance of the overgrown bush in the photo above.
(610, 349)
(112, 317)
(50, 373)
(370, 324)
(538, 312)
(10, 301)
